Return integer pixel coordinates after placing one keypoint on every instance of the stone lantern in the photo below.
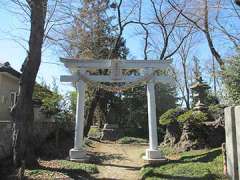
(199, 89)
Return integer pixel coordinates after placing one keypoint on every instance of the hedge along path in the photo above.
(118, 161)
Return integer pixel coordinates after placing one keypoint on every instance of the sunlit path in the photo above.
(118, 161)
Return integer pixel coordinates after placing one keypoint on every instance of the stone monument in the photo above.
(199, 89)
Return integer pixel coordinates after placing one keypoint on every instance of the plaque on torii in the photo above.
(79, 68)
(116, 71)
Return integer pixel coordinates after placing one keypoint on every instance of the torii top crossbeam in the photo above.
(123, 64)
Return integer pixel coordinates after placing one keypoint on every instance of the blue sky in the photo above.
(12, 28)
(11, 33)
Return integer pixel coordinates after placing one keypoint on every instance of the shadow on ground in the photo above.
(50, 149)
(71, 173)
(172, 177)
(99, 158)
(6, 168)
(206, 157)
(133, 168)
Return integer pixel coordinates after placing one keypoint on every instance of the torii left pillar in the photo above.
(153, 154)
(78, 153)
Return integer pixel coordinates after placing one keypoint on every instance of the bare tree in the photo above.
(211, 17)
(213, 73)
(162, 28)
(22, 112)
(202, 24)
(228, 26)
(184, 53)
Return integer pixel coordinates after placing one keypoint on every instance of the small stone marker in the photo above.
(110, 132)
(237, 122)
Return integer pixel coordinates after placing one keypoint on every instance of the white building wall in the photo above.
(8, 84)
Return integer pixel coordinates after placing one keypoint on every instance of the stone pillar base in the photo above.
(154, 156)
(79, 155)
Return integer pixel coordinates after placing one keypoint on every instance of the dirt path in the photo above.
(118, 161)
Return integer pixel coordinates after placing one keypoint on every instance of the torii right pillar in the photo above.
(153, 154)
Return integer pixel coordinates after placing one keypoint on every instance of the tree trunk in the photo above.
(214, 77)
(237, 2)
(22, 113)
(103, 101)
(209, 39)
(91, 111)
(187, 100)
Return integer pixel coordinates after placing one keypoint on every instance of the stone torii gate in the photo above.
(79, 67)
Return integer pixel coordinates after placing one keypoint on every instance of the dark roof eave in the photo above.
(11, 71)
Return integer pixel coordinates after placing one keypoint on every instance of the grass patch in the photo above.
(195, 165)
(43, 174)
(89, 168)
(168, 151)
(37, 172)
(61, 169)
(131, 140)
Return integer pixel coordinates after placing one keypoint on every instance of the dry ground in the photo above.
(118, 161)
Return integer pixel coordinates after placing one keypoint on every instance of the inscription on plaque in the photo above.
(116, 71)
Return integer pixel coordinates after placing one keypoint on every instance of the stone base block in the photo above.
(110, 132)
(79, 155)
(154, 156)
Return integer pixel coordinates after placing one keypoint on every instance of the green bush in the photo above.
(232, 79)
(94, 132)
(170, 116)
(49, 99)
(193, 116)
(131, 140)
(211, 99)
(213, 109)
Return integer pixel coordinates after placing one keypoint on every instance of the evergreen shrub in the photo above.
(170, 116)
(193, 116)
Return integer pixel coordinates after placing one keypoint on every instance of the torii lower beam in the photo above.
(126, 79)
